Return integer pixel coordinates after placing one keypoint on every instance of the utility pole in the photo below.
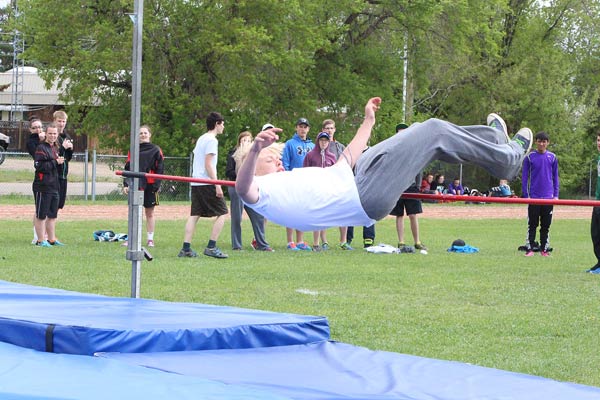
(18, 45)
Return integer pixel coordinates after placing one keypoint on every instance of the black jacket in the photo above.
(63, 169)
(152, 161)
(230, 168)
(46, 168)
(32, 143)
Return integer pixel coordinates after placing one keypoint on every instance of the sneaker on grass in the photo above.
(304, 246)
(187, 253)
(420, 246)
(346, 246)
(43, 244)
(214, 252)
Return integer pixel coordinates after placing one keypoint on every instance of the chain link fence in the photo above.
(91, 177)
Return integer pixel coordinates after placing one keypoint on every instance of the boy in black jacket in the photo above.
(45, 188)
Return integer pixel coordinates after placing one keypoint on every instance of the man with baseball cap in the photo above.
(294, 152)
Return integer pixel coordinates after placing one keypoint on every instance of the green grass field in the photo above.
(496, 308)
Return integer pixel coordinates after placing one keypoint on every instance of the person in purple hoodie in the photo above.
(540, 181)
(321, 157)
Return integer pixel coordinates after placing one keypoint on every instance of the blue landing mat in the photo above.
(330, 370)
(29, 374)
(60, 321)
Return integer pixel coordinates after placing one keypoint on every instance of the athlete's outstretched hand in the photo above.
(372, 107)
(266, 138)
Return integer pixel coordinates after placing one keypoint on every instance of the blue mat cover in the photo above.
(29, 374)
(330, 370)
(60, 321)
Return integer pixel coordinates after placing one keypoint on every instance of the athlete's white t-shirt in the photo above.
(311, 198)
(206, 144)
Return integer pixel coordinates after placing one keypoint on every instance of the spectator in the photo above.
(320, 157)
(438, 184)
(45, 187)
(502, 190)
(293, 157)
(595, 224)
(65, 145)
(540, 181)
(151, 160)
(36, 135)
(456, 188)
(426, 184)
(337, 149)
(237, 207)
(207, 199)
(413, 208)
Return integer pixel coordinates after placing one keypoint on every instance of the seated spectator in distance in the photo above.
(502, 190)
(426, 184)
(438, 184)
(456, 188)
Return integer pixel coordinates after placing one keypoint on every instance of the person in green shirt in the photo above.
(595, 225)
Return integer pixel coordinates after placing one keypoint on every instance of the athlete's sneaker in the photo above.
(544, 253)
(43, 244)
(496, 122)
(34, 241)
(325, 246)
(316, 248)
(368, 242)
(529, 253)
(524, 138)
(214, 252)
(304, 246)
(420, 246)
(187, 253)
(254, 244)
(150, 243)
(56, 243)
(346, 246)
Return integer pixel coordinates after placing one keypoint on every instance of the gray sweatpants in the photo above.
(386, 170)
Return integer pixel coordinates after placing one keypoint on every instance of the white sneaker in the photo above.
(496, 122)
(524, 138)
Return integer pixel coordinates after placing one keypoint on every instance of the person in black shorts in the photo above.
(151, 160)
(65, 150)
(413, 208)
(207, 199)
(45, 187)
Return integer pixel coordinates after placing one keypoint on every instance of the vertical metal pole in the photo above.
(86, 158)
(94, 169)
(134, 249)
